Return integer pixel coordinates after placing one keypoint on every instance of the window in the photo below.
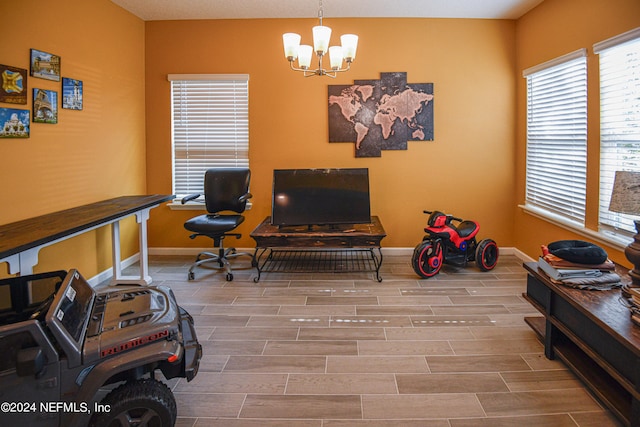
(619, 121)
(210, 126)
(557, 137)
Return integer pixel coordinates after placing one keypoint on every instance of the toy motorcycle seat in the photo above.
(465, 228)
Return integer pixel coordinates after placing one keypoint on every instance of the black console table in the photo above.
(338, 248)
(592, 332)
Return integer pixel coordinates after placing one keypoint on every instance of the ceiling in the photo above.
(159, 10)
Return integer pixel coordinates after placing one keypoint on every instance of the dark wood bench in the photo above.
(591, 332)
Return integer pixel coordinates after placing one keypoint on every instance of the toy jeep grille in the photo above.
(135, 320)
(131, 295)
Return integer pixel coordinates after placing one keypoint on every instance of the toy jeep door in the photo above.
(29, 376)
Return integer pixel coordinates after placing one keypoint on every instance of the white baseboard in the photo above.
(187, 251)
(385, 251)
(518, 253)
(503, 251)
(108, 273)
(196, 251)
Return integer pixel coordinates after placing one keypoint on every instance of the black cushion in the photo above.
(213, 224)
(578, 251)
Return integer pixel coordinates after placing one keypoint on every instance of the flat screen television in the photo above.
(320, 197)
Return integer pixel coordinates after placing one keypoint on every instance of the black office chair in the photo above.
(224, 190)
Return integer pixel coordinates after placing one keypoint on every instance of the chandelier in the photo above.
(321, 35)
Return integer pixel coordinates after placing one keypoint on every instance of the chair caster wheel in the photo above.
(229, 277)
(191, 275)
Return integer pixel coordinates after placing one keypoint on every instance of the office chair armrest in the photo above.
(244, 197)
(190, 197)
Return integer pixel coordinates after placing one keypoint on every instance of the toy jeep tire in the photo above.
(143, 402)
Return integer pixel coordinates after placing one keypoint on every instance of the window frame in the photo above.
(619, 82)
(545, 135)
(210, 131)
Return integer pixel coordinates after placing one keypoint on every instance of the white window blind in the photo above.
(556, 172)
(210, 126)
(619, 121)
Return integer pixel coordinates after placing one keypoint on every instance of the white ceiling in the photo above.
(158, 10)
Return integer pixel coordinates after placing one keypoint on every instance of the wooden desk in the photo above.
(339, 248)
(21, 241)
(592, 332)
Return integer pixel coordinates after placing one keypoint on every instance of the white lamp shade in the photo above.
(335, 57)
(304, 55)
(321, 37)
(291, 43)
(625, 195)
(349, 46)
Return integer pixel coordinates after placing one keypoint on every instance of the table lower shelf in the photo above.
(602, 384)
(295, 260)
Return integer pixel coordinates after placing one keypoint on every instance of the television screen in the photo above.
(320, 196)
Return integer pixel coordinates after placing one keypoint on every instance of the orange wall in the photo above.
(552, 29)
(90, 155)
(120, 143)
(468, 170)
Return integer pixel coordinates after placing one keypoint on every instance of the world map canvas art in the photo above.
(381, 114)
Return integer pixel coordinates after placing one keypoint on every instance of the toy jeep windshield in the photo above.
(59, 351)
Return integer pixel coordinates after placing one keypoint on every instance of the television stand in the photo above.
(335, 248)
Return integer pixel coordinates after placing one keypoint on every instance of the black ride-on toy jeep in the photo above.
(446, 242)
(58, 352)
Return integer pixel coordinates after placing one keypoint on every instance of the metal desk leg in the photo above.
(144, 278)
(13, 263)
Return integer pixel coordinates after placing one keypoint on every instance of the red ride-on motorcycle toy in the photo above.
(451, 244)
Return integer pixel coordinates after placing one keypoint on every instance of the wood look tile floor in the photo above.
(342, 350)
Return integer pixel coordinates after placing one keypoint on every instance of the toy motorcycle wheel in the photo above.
(486, 254)
(427, 259)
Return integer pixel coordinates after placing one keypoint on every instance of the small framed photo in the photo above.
(45, 65)
(45, 106)
(13, 88)
(71, 94)
(14, 123)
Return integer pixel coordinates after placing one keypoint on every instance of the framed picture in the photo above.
(45, 106)
(45, 65)
(71, 94)
(14, 85)
(15, 123)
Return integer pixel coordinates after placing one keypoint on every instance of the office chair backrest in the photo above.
(223, 188)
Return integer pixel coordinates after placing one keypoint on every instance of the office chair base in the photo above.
(222, 261)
